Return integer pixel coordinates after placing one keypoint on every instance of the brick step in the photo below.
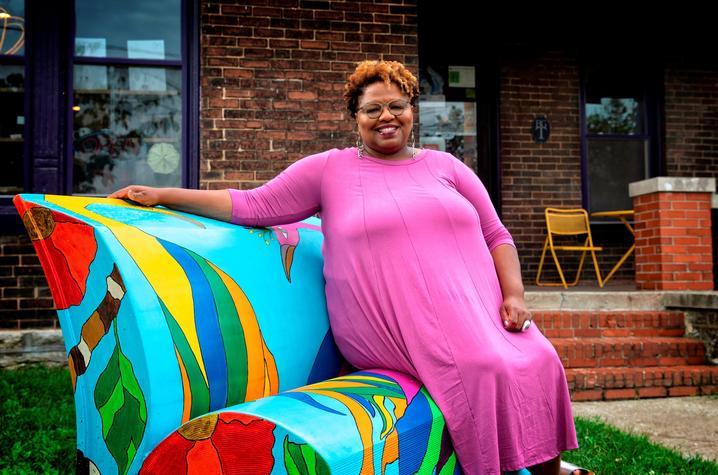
(629, 351)
(596, 384)
(609, 323)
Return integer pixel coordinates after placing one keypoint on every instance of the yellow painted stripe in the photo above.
(339, 384)
(399, 406)
(164, 274)
(363, 424)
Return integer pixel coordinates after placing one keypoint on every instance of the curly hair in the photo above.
(369, 72)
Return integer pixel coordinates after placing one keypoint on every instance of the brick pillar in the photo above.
(673, 233)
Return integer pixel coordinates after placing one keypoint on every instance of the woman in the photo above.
(421, 276)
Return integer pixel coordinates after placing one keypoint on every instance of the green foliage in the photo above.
(607, 450)
(37, 421)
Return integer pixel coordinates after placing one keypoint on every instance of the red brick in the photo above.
(594, 395)
(620, 394)
(683, 391)
(652, 392)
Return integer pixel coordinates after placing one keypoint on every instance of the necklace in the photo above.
(360, 152)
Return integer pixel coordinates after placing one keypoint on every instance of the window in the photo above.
(128, 95)
(12, 95)
(447, 111)
(618, 144)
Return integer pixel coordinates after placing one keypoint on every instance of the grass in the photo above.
(37, 430)
(37, 421)
(607, 450)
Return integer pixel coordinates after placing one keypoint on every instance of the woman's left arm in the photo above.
(503, 251)
(513, 309)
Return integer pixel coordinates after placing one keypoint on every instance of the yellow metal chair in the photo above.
(568, 222)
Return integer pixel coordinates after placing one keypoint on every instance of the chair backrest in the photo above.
(567, 222)
(167, 316)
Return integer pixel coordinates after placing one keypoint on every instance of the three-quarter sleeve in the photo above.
(291, 196)
(470, 186)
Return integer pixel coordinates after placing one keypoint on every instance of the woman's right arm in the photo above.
(215, 204)
(293, 195)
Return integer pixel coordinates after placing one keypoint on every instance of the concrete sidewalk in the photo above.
(688, 424)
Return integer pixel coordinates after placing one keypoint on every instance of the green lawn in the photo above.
(37, 430)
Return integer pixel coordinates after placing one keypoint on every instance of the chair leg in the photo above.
(540, 267)
(558, 267)
(580, 268)
(598, 271)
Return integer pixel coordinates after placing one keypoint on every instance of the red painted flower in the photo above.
(228, 443)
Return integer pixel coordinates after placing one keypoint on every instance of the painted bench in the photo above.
(198, 346)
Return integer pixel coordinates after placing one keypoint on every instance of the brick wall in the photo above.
(24, 296)
(691, 105)
(272, 79)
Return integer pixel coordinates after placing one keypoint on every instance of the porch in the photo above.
(623, 343)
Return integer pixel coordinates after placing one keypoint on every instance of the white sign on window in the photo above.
(148, 79)
(96, 47)
(146, 49)
(90, 77)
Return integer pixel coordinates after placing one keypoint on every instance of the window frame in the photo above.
(38, 168)
(189, 71)
(651, 108)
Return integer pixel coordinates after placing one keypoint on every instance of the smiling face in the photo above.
(387, 135)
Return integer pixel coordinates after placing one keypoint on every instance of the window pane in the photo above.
(128, 29)
(612, 165)
(449, 127)
(127, 127)
(12, 120)
(614, 115)
(12, 27)
(614, 100)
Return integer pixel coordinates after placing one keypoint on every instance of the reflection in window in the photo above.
(447, 111)
(12, 27)
(12, 95)
(128, 29)
(614, 115)
(127, 95)
(128, 131)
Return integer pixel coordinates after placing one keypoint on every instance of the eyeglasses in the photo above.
(374, 110)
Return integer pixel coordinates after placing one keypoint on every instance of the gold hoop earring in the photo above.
(360, 147)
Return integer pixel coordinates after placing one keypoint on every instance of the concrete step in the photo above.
(596, 384)
(629, 351)
(604, 323)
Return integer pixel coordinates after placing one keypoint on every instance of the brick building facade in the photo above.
(271, 76)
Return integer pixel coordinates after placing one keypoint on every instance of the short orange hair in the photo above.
(369, 72)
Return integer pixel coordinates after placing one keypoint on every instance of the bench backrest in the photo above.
(167, 316)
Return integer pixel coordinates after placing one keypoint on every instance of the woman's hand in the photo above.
(514, 314)
(144, 195)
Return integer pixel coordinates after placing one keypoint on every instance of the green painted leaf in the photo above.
(302, 459)
(122, 408)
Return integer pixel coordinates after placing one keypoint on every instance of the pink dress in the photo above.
(411, 286)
